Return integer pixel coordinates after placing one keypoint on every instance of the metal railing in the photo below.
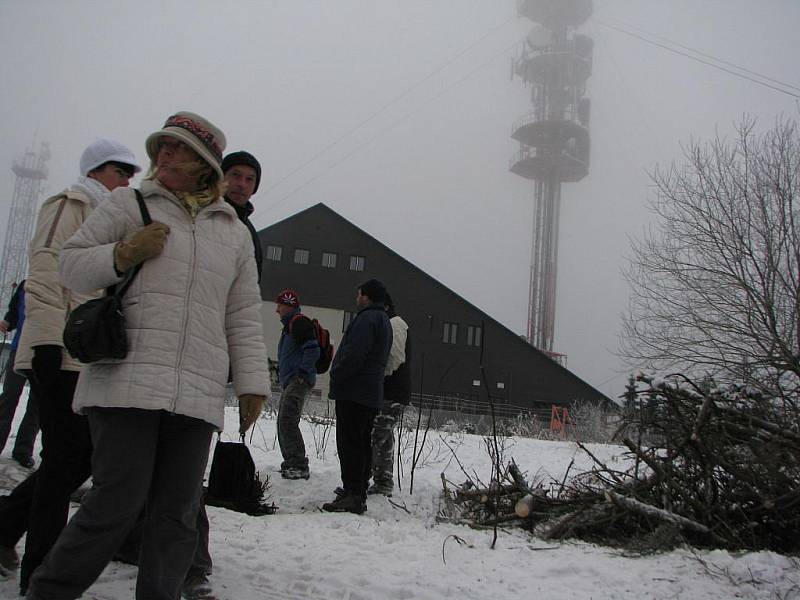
(569, 112)
(472, 406)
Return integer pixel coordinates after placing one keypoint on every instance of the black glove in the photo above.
(46, 363)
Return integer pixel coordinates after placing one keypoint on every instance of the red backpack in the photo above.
(323, 337)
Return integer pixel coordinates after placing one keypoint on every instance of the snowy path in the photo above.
(302, 553)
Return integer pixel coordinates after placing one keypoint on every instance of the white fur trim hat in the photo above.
(198, 133)
(105, 150)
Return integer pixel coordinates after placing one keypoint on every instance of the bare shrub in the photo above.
(591, 422)
(321, 428)
(715, 289)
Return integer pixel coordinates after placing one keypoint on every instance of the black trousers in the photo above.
(354, 444)
(66, 464)
(13, 385)
(14, 511)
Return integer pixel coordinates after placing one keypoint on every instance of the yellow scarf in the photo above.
(196, 201)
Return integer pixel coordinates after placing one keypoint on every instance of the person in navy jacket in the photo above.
(298, 351)
(13, 385)
(356, 384)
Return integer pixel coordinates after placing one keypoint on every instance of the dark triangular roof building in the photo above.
(325, 257)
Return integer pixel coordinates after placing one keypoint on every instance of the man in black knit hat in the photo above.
(243, 174)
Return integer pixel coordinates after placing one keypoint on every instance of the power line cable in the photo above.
(700, 60)
(387, 128)
(624, 149)
(390, 103)
(709, 56)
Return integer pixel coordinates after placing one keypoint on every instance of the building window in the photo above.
(329, 260)
(473, 335)
(301, 256)
(356, 263)
(450, 333)
(476, 383)
(501, 385)
(274, 253)
(347, 319)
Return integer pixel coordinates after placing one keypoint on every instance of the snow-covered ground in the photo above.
(398, 550)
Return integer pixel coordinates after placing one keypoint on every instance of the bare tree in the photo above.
(716, 281)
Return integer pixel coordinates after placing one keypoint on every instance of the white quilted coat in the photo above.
(188, 311)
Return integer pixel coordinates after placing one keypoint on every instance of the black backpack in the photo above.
(234, 483)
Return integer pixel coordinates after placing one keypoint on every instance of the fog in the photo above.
(398, 116)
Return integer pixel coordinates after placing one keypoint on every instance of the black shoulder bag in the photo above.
(234, 483)
(96, 329)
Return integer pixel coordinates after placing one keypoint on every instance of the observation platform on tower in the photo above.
(27, 167)
(556, 14)
(553, 147)
(569, 60)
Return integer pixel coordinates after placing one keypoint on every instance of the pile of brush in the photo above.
(722, 469)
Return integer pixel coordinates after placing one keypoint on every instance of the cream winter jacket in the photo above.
(47, 301)
(190, 312)
(397, 353)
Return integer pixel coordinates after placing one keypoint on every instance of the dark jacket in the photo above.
(358, 366)
(244, 212)
(298, 349)
(15, 315)
(397, 385)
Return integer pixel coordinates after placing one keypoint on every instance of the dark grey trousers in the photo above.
(140, 457)
(293, 448)
(13, 384)
(201, 563)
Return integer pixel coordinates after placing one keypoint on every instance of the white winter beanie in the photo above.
(105, 150)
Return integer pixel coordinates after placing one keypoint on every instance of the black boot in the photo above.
(347, 503)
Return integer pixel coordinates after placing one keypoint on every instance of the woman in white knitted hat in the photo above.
(192, 311)
(39, 505)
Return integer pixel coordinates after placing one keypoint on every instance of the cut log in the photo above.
(518, 478)
(503, 490)
(634, 505)
(491, 521)
(575, 520)
(524, 506)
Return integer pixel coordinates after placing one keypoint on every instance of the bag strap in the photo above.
(241, 437)
(120, 289)
(143, 207)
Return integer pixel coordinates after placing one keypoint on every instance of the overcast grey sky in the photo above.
(428, 174)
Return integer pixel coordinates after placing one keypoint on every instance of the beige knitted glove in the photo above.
(146, 243)
(250, 407)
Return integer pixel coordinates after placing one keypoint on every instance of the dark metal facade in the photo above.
(448, 333)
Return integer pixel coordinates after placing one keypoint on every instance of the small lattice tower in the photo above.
(555, 62)
(31, 173)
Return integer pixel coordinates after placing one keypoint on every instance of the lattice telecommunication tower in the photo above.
(31, 173)
(554, 139)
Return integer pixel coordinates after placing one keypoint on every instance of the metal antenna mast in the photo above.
(553, 138)
(31, 173)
